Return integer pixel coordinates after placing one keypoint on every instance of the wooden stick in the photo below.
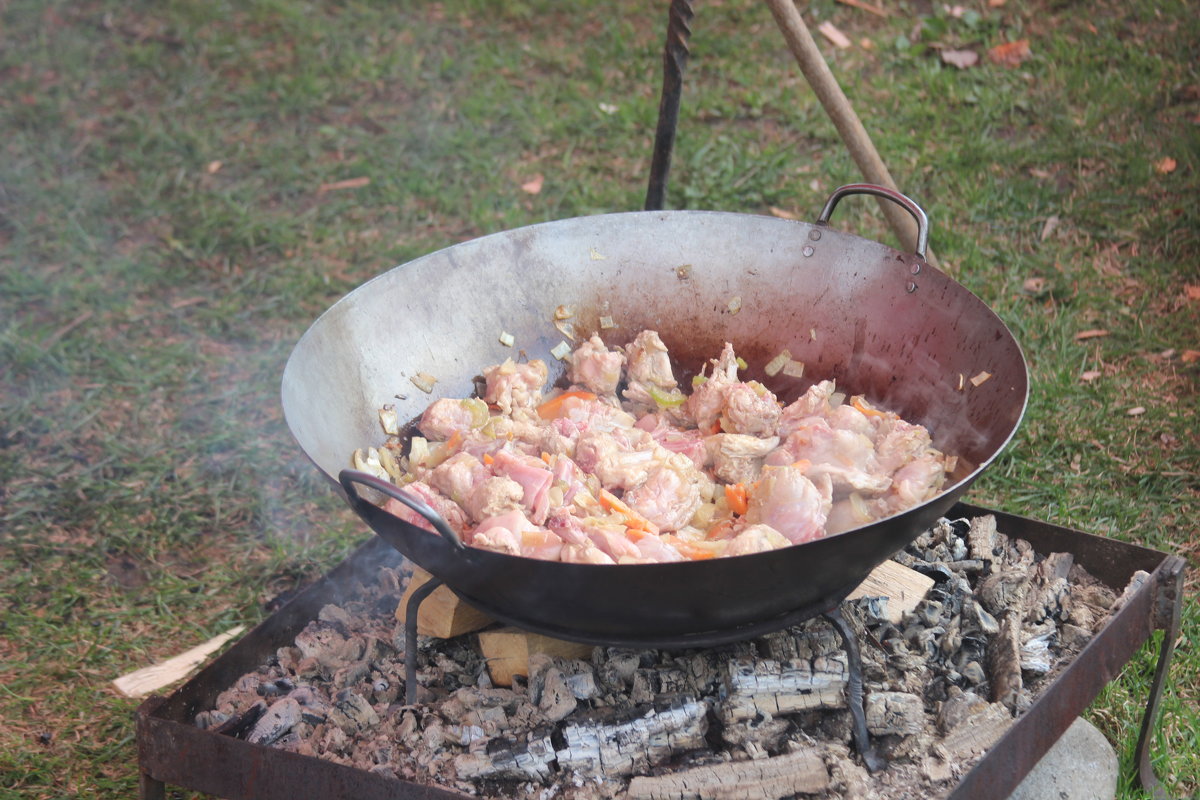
(837, 106)
(149, 679)
(442, 615)
(903, 587)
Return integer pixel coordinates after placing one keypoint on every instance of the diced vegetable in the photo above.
(777, 363)
(507, 339)
(553, 408)
(665, 399)
(423, 381)
(561, 350)
(390, 420)
(735, 495)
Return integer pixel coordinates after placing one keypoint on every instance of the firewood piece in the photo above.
(904, 588)
(442, 614)
(1004, 662)
(801, 772)
(894, 713)
(530, 760)
(142, 682)
(982, 538)
(767, 687)
(507, 651)
(633, 744)
(976, 734)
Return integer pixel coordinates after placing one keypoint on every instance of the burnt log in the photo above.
(633, 744)
(771, 688)
(801, 772)
(1004, 662)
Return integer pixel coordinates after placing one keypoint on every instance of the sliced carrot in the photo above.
(720, 530)
(553, 408)
(695, 551)
(611, 502)
(633, 520)
(735, 495)
(862, 405)
(454, 442)
(489, 459)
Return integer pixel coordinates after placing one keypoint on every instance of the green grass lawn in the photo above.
(185, 186)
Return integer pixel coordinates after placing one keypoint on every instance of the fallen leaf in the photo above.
(1092, 334)
(534, 184)
(996, 3)
(1190, 356)
(1033, 286)
(783, 213)
(1010, 54)
(835, 37)
(876, 10)
(960, 58)
(981, 378)
(213, 167)
(1090, 375)
(1048, 228)
(349, 183)
(1192, 291)
(1136, 411)
(1165, 166)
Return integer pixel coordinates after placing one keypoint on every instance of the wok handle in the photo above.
(901, 200)
(349, 477)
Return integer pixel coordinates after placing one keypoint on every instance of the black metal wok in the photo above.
(880, 322)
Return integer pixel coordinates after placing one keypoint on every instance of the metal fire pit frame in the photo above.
(172, 750)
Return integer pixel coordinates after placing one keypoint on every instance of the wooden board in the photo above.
(142, 682)
(442, 614)
(507, 651)
(903, 587)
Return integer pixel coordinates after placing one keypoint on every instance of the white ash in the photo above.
(941, 687)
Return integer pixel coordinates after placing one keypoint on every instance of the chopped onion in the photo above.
(564, 312)
(794, 369)
(390, 420)
(980, 379)
(665, 399)
(607, 322)
(561, 350)
(777, 363)
(368, 461)
(836, 399)
(565, 328)
(507, 339)
(735, 304)
(424, 381)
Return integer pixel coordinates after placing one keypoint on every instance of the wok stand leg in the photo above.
(1168, 613)
(854, 691)
(410, 638)
(149, 788)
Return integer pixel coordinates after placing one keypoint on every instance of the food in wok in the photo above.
(624, 467)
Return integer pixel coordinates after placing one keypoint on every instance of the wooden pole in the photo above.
(837, 106)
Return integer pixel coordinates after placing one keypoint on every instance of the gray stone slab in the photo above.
(1082, 765)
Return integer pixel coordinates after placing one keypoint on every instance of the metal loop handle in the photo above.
(901, 200)
(349, 477)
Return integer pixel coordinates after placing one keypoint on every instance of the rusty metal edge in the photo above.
(172, 751)
(1031, 736)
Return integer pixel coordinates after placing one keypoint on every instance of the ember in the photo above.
(942, 685)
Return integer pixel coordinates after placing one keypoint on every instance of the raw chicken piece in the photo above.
(534, 478)
(790, 503)
(669, 497)
(917, 481)
(707, 400)
(848, 418)
(502, 533)
(654, 550)
(851, 512)
(750, 409)
(736, 457)
(444, 506)
(516, 389)
(813, 403)
(596, 368)
(848, 458)
(458, 475)
(447, 416)
(584, 554)
(649, 373)
(899, 443)
(541, 544)
(494, 496)
(685, 441)
(620, 459)
(755, 539)
(611, 539)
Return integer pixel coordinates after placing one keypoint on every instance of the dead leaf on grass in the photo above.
(1092, 334)
(1192, 291)
(835, 36)
(213, 167)
(1090, 375)
(1049, 227)
(962, 59)
(1010, 54)
(1190, 356)
(534, 184)
(1165, 166)
(1033, 286)
(783, 213)
(349, 183)
(1136, 411)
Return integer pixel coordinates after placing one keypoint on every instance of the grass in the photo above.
(165, 239)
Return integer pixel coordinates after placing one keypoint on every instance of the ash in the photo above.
(767, 716)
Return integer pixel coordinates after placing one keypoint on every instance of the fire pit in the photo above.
(172, 749)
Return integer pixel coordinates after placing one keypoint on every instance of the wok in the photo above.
(880, 322)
